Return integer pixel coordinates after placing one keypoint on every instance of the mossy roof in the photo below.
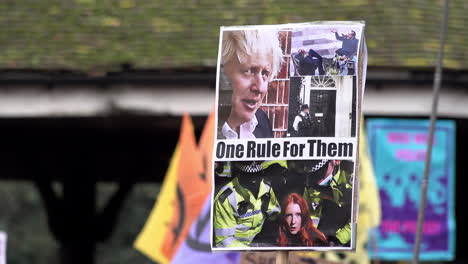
(101, 35)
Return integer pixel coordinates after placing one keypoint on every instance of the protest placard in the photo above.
(398, 150)
(286, 150)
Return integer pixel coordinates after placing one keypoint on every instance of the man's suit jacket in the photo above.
(263, 129)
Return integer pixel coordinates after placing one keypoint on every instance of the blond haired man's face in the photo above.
(249, 80)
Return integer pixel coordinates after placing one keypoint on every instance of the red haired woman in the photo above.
(296, 228)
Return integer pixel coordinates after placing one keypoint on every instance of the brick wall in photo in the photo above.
(275, 103)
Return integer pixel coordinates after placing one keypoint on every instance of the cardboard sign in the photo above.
(287, 122)
(398, 150)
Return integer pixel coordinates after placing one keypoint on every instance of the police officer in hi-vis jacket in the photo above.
(244, 205)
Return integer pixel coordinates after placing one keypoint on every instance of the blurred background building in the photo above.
(92, 92)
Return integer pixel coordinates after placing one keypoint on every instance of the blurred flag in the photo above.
(196, 246)
(151, 238)
(192, 190)
(185, 189)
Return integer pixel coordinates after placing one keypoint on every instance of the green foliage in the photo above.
(119, 248)
(25, 222)
(92, 35)
(23, 218)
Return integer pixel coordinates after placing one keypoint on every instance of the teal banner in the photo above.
(398, 150)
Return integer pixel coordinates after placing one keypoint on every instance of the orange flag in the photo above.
(206, 149)
(192, 189)
(151, 238)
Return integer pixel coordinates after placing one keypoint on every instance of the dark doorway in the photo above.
(322, 110)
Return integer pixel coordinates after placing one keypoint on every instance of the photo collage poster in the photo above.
(285, 155)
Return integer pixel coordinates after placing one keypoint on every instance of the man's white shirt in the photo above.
(246, 130)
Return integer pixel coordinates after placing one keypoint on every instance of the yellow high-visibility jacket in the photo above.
(239, 216)
(341, 181)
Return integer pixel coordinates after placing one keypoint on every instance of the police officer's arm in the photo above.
(344, 178)
(225, 225)
(297, 120)
(344, 234)
(274, 207)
